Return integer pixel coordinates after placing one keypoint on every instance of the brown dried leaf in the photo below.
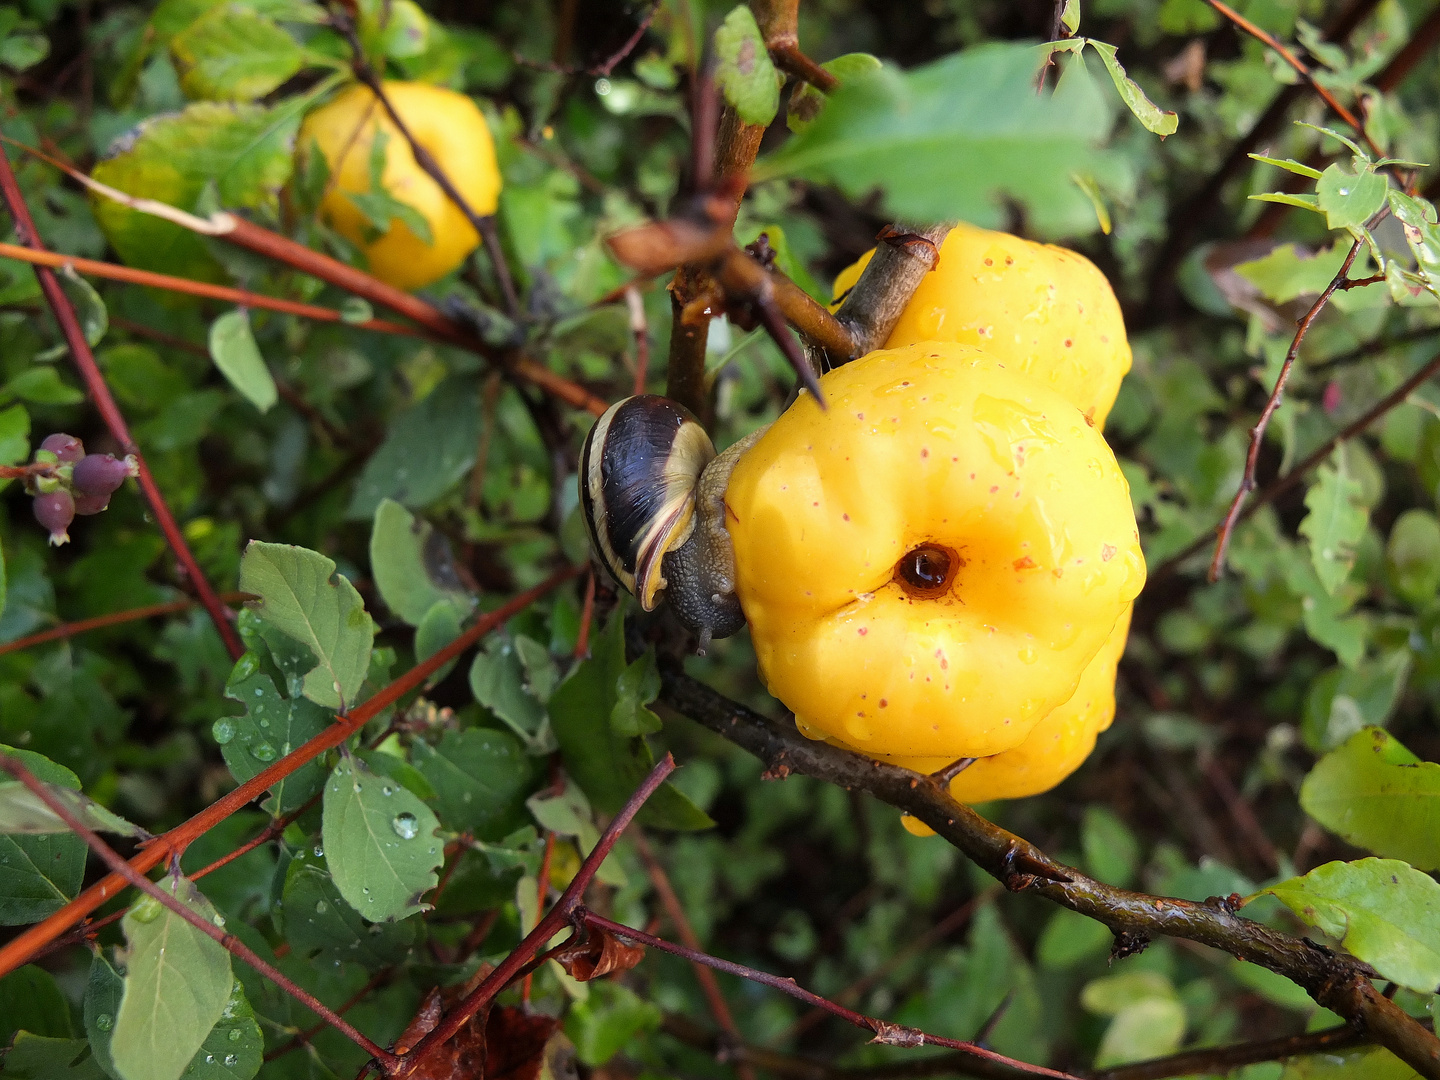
(598, 953)
(517, 1044)
(661, 246)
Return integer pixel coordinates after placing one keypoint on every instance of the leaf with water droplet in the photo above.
(42, 872)
(177, 985)
(381, 878)
(321, 925)
(480, 779)
(233, 1049)
(103, 991)
(272, 727)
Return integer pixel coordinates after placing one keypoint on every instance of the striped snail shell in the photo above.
(652, 494)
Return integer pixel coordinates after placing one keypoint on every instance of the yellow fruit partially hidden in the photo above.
(1057, 746)
(452, 128)
(930, 565)
(1042, 309)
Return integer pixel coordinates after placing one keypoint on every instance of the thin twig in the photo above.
(1280, 485)
(1222, 1059)
(18, 950)
(885, 1032)
(114, 618)
(603, 69)
(104, 403)
(1271, 41)
(229, 942)
(1257, 433)
(542, 889)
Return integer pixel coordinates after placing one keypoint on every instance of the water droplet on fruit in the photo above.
(405, 826)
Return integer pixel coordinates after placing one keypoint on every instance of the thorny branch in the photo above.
(1257, 433)
(1339, 983)
(104, 403)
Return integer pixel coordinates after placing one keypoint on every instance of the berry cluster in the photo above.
(67, 481)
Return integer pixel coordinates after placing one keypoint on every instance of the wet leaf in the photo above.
(480, 779)
(272, 727)
(1335, 523)
(233, 348)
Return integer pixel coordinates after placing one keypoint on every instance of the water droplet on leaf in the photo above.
(223, 730)
(405, 826)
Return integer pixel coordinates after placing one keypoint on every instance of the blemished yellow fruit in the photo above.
(929, 565)
(1057, 746)
(452, 128)
(1040, 308)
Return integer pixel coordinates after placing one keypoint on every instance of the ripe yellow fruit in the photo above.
(930, 565)
(1040, 308)
(1057, 746)
(452, 128)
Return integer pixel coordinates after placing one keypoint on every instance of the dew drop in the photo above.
(231, 1059)
(234, 1035)
(319, 852)
(386, 789)
(405, 826)
(321, 907)
(223, 730)
(263, 751)
(104, 1021)
(209, 1059)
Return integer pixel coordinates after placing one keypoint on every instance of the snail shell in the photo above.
(639, 472)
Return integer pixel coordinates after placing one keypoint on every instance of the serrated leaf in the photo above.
(971, 132)
(1384, 911)
(298, 597)
(1285, 273)
(480, 778)
(40, 874)
(380, 842)
(1376, 794)
(743, 70)
(319, 923)
(246, 151)
(1151, 116)
(177, 984)
(272, 727)
(1335, 523)
(569, 814)
(412, 565)
(233, 348)
(1347, 199)
(233, 53)
(607, 766)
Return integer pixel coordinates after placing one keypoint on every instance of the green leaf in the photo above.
(1377, 795)
(426, 451)
(89, 309)
(39, 874)
(1303, 202)
(319, 924)
(30, 1000)
(602, 1024)
(1285, 273)
(1155, 119)
(971, 133)
(298, 598)
(439, 627)
(1412, 555)
(1112, 853)
(1289, 165)
(1361, 1063)
(233, 53)
(177, 984)
(480, 777)
(103, 990)
(1147, 1029)
(1069, 939)
(23, 812)
(244, 150)
(34, 1057)
(42, 385)
(233, 348)
(1385, 912)
(806, 101)
(233, 1050)
(498, 681)
(1345, 699)
(272, 727)
(1070, 16)
(743, 70)
(380, 842)
(607, 766)
(637, 686)
(14, 448)
(1348, 200)
(412, 565)
(1417, 218)
(1335, 523)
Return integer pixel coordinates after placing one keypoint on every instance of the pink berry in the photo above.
(90, 504)
(64, 447)
(55, 512)
(100, 474)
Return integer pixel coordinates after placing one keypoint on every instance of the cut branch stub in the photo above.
(872, 308)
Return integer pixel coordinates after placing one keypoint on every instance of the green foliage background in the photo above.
(434, 491)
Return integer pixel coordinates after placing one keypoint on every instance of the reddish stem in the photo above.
(110, 412)
(18, 950)
(115, 618)
(885, 1032)
(542, 888)
(229, 942)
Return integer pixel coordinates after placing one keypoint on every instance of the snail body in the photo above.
(652, 493)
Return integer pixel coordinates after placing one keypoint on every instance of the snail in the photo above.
(652, 492)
